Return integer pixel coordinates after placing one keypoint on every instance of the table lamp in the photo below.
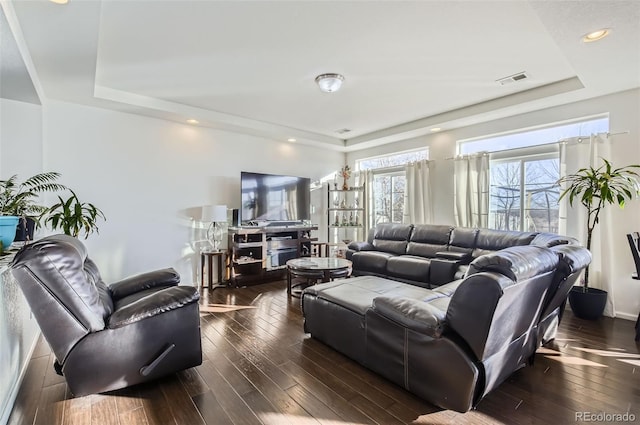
(217, 216)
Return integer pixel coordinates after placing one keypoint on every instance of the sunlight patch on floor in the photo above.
(631, 362)
(544, 350)
(443, 417)
(281, 418)
(576, 361)
(223, 308)
(613, 352)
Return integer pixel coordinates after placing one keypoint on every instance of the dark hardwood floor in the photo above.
(260, 368)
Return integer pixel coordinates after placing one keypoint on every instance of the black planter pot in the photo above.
(24, 231)
(587, 305)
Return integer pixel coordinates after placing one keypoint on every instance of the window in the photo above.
(523, 194)
(388, 197)
(388, 188)
(538, 137)
(523, 171)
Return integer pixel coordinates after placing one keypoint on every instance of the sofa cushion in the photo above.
(357, 294)
(449, 288)
(517, 263)
(392, 237)
(427, 239)
(431, 233)
(490, 240)
(463, 239)
(409, 267)
(371, 261)
(413, 314)
(551, 239)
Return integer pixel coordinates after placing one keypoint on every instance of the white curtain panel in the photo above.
(471, 190)
(574, 155)
(418, 208)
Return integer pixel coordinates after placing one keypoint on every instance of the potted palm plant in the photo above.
(73, 217)
(596, 188)
(19, 203)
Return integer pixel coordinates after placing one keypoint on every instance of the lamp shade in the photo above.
(217, 213)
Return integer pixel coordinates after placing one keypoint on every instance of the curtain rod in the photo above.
(543, 144)
(388, 168)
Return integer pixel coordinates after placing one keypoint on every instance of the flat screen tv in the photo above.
(274, 199)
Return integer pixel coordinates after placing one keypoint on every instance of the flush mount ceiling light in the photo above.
(329, 83)
(596, 35)
(192, 121)
(291, 140)
(59, 1)
(435, 129)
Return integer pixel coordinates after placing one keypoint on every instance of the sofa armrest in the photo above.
(460, 257)
(154, 279)
(416, 315)
(444, 265)
(361, 246)
(159, 302)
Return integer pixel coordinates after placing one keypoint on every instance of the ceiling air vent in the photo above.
(513, 78)
(343, 131)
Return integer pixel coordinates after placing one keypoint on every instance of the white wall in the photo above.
(150, 177)
(20, 139)
(21, 154)
(624, 112)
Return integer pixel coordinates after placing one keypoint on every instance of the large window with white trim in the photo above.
(388, 183)
(523, 193)
(524, 169)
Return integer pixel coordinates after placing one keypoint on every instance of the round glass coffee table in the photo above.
(314, 269)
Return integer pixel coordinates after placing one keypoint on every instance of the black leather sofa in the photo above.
(431, 255)
(454, 343)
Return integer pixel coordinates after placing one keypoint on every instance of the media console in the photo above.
(261, 253)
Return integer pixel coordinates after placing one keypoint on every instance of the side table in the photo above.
(315, 268)
(208, 256)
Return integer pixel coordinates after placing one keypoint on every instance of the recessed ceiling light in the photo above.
(192, 121)
(434, 129)
(59, 1)
(596, 35)
(329, 83)
(291, 139)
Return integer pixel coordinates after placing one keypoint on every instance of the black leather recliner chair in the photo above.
(107, 337)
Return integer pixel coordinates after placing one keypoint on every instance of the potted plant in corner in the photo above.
(18, 203)
(73, 217)
(595, 188)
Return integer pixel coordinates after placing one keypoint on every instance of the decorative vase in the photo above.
(8, 225)
(345, 186)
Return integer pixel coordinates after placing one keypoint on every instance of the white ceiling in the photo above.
(249, 66)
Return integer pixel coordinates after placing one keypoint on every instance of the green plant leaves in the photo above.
(597, 187)
(21, 199)
(73, 217)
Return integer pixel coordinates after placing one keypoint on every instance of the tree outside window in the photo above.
(524, 194)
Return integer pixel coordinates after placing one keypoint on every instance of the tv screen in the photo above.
(274, 198)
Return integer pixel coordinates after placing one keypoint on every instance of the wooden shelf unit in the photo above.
(259, 254)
